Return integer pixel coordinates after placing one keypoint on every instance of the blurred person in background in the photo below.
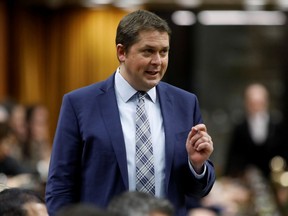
(21, 202)
(134, 203)
(17, 123)
(257, 138)
(228, 197)
(9, 166)
(13, 173)
(14, 169)
(4, 115)
(37, 148)
(82, 209)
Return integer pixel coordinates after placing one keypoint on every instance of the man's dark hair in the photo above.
(132, 24)
(12, 201)
(134, 203)
(81, 209)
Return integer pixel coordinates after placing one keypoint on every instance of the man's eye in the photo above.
(148, 51)
(164, 52)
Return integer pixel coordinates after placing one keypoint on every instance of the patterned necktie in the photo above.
(145, 179)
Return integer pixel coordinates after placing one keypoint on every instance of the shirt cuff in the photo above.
(198, 176)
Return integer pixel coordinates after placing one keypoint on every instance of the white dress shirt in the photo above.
(259, 126)
(126, 100)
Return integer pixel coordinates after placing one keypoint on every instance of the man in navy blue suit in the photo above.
(93, 156)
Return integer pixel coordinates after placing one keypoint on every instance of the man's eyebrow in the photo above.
(153, 47)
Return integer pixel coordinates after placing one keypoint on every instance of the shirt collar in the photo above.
(126, 91)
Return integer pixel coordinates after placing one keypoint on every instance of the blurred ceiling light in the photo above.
(117, 3)
(242, 18)
(255, 4)
(189, 3)
(277, 164)
(183, 18)
(282, 4)
(284, 179)
(93, 3)
(128, 3)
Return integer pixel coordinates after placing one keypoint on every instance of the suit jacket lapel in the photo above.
(167, 109)
(112, 121)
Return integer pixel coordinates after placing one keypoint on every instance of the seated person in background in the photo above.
(12, 172)
(17, 123)
(82, 209)
(133, 203)
(21, 202)
(202, 212)
(8, 165)
(4, 115)
(37, 147)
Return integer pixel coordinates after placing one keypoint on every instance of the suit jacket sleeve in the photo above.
(63, 181)
(180, 110)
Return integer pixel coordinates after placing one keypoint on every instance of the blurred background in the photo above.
(218, 47)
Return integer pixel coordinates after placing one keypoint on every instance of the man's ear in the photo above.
(121, 55)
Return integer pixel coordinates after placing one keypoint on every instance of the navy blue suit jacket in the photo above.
(88, 160)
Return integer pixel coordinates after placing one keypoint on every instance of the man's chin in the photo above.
(152, 84)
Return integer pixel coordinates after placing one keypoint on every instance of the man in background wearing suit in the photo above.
(93, 157)
(257, 138)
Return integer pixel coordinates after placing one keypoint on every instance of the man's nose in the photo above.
(156, 59)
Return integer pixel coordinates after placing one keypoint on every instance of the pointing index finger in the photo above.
(200, 127)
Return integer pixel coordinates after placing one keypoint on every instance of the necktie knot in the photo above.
(141, 95)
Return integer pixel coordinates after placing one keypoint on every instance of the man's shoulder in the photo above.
(94, 88)
(85, 89)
